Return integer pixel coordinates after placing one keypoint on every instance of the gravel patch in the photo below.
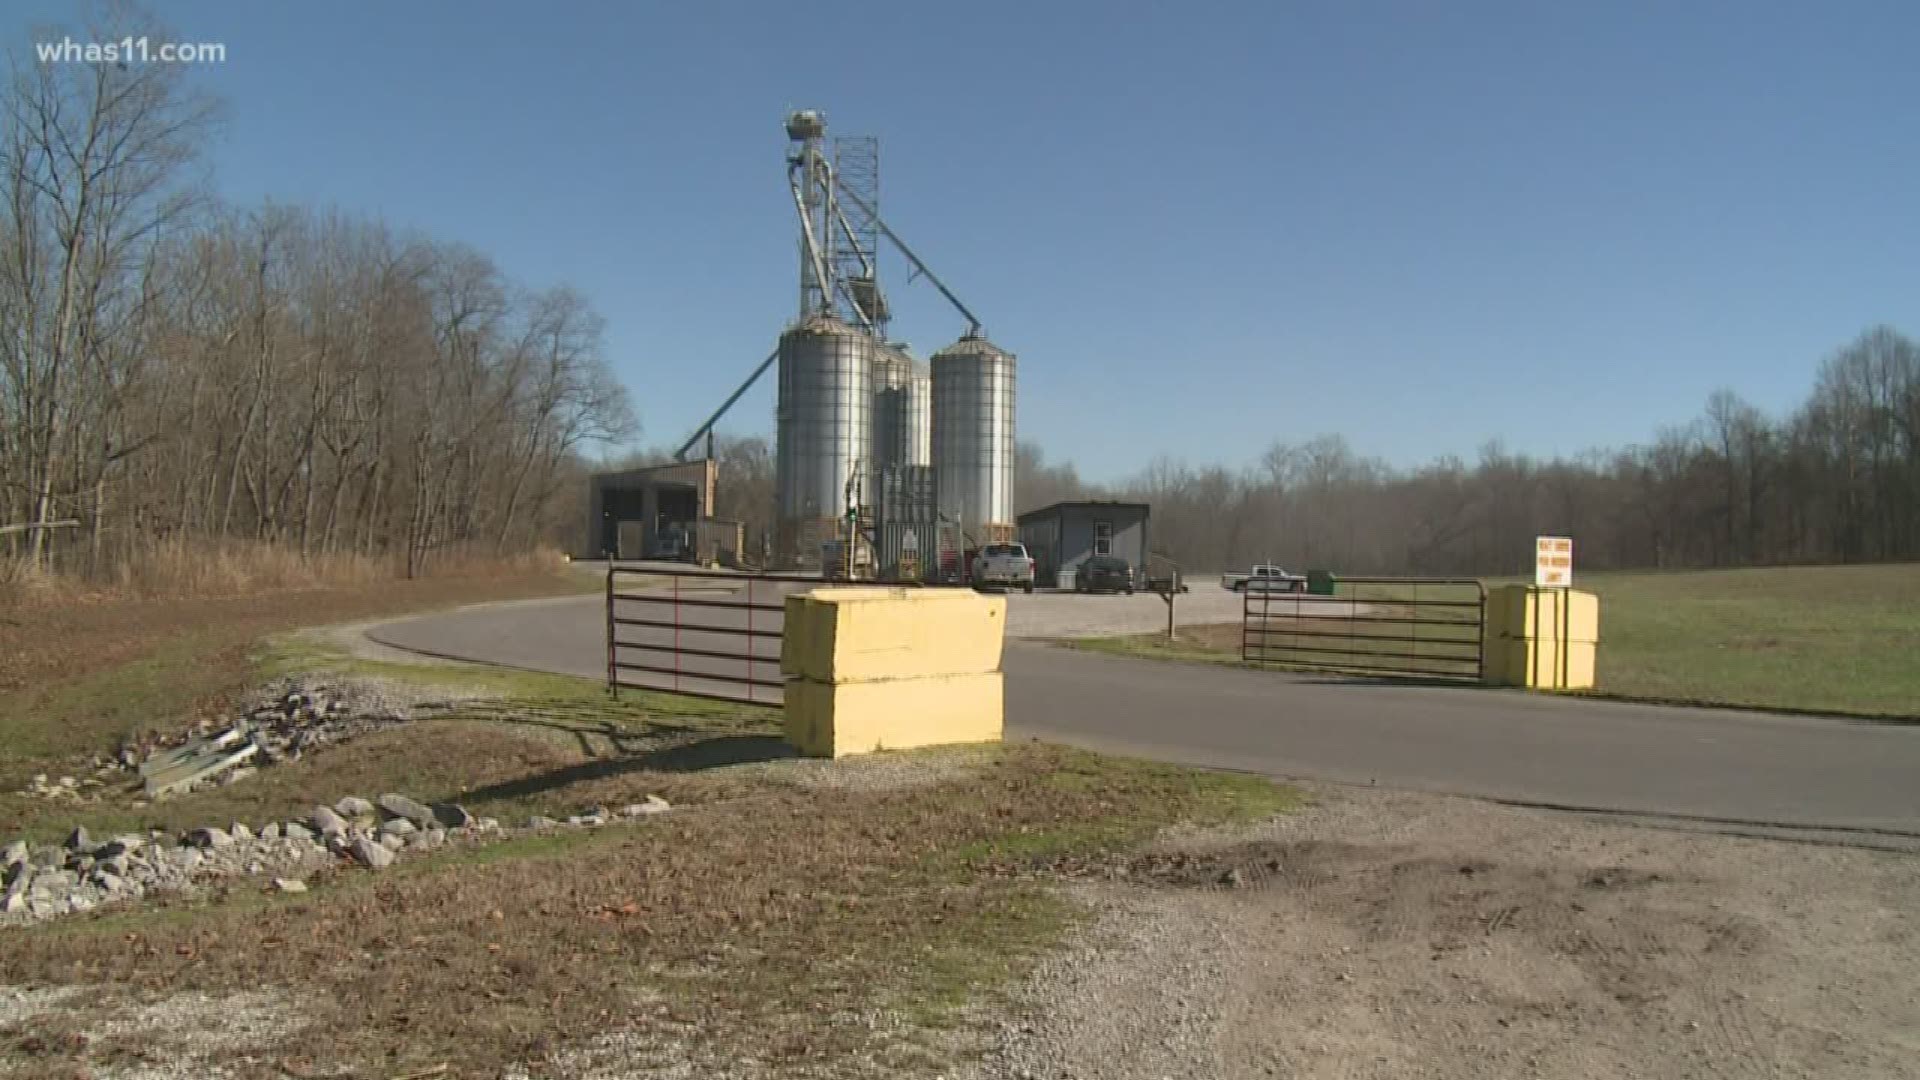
(18, 1004)
(1071, 615)
(188, 1029)
(1067, 614)
(1382, 934)
(178, 1034)
(668, 1051)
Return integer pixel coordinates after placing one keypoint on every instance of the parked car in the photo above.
(1104, 573)
(1265, 577)
(1005, 565)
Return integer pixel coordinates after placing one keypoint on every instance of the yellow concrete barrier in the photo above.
(890, 669)
(873, 632)
(1545, 639)
(837, 719)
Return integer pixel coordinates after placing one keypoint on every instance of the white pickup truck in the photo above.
(1005, 565)
(1265, 577)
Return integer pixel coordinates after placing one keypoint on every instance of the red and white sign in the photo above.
(1553, 562)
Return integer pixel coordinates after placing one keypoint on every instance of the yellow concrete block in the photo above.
(1544, 664)
(849, 634)
(1524, 611)
(837, 719)
(1547, 639)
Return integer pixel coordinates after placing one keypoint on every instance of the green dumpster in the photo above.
(1320, 582)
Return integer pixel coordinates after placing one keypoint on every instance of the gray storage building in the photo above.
(1062, 536)
(629, 511)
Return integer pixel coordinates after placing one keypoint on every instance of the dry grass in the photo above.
(760, 926)
(77, 678)
(180, 568)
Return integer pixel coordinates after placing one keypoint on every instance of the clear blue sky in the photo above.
(1202, 227)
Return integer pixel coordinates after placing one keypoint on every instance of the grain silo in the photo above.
(902, 410)
(860, 425)
(822, 429)
(973, 437)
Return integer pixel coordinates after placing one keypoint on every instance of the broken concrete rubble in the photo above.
(286, 721)
(51, 881)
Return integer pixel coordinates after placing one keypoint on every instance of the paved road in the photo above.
(1806, 772)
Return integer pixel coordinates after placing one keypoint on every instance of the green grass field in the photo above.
(1833, 639)
(1826, 639)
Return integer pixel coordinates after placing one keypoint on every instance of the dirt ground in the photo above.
(1394, 935)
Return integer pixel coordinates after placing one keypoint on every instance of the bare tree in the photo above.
(1837, 481)
(95, 168)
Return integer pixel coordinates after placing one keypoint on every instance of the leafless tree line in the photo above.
(1837, 481)
(171, 367)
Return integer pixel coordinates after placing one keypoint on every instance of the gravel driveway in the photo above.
(1395, 935)
(1066, 614)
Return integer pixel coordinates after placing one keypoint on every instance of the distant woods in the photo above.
(174, 368)
(1836, 481)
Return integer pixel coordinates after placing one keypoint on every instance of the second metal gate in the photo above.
(699, 632)
(1431, 627)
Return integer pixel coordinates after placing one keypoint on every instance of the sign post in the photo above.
(1553, 562)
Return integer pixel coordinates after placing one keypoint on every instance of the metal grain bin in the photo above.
(973, 434)
(822, 420)
(902, 411)
(917, 445)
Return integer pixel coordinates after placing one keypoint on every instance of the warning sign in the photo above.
(1553, 562)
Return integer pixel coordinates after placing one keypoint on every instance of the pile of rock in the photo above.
(42, 882)
(63, 879)
(374, 833)
(281, 723)
(84, 873)
(296, 716)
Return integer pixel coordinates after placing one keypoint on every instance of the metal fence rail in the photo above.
(1430, 627)
(703, 633)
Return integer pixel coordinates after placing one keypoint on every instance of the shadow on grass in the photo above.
(627, 729)
(710, 753)
(1390, 681)
(1603, 696)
